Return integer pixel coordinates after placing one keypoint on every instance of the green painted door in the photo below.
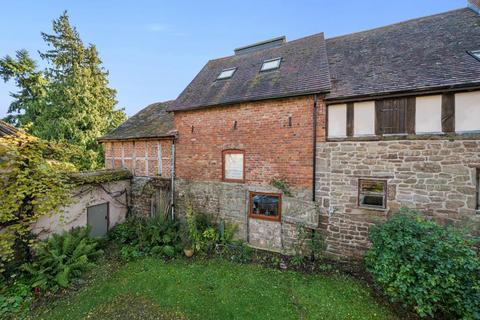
(97, 217)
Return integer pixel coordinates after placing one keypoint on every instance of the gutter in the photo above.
(173, 181)
(314, 167)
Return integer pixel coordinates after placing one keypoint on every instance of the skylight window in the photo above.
(226, 73)
(475, 54)
(271, 64)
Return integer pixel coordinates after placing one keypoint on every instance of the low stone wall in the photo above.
(437, 177)
(230, 201)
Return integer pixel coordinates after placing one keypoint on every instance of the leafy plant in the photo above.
(426, 266)
(309, 243)
(61, 259)
(33, 183)
(15, 300)
(138, 237)
(282, 184)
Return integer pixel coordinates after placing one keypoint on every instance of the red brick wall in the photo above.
(140, 156)
(272, 148)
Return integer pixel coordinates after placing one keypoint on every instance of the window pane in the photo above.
(371, 200)
(371, 186)
(227, 73)
(372, 193)
(266, 205)
(272, 64)
(234, 166)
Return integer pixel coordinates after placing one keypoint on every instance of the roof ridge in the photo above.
(396, 24)
(260, 50)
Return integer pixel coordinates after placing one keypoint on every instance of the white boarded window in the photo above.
(364, 118)
(467, 111)
(337, 120)
(233, 165)
(428, 114)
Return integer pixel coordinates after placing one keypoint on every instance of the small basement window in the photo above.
(372, 194)
(226, 73)
(233, 165)
(271, 64)
(266, 206)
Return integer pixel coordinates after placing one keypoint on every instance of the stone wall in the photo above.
(150, 196)
(437, 177)
(230, 202)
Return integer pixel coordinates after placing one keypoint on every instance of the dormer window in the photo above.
(475, 54)
(271, 64)
(226, 73)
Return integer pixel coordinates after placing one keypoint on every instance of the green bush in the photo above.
(15, 300)
(139, 237)
(426, 266)
(62, 258)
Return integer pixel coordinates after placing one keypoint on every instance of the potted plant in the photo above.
(187, 243)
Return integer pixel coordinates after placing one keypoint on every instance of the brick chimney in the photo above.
(474, 5)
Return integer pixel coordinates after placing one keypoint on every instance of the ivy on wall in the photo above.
(33, 183)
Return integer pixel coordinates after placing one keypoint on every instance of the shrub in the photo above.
(15, 300)
(147, 236)
(426, 266)
(62, 258)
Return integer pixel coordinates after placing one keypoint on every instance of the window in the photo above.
(475, 54)
(337, 121)
(233, 166)
(395, 116)
(267, 206)
(271, 64)
(372, 194)
(226, 73)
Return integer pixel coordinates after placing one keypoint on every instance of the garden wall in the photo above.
(93, 188)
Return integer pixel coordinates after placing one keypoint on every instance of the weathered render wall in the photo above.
(75, 214)
(435, 176)
(141, 157)
(276, 136)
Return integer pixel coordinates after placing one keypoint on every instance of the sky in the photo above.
(153, 49)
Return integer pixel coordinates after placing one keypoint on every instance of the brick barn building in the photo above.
(335, 134)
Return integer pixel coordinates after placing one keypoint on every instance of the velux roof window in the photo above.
(271, 64)
(226, 73)
(475, 54)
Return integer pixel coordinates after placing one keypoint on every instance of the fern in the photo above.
(62, 258)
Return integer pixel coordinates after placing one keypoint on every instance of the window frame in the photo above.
(475, 54)
(225, 70)
(271, 60)
(385, 193)
(233, 151)
(264, 217)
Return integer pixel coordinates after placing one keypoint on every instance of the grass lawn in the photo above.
(154, 289)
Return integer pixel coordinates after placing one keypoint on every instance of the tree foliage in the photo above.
(69, 100)
(33, 183)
